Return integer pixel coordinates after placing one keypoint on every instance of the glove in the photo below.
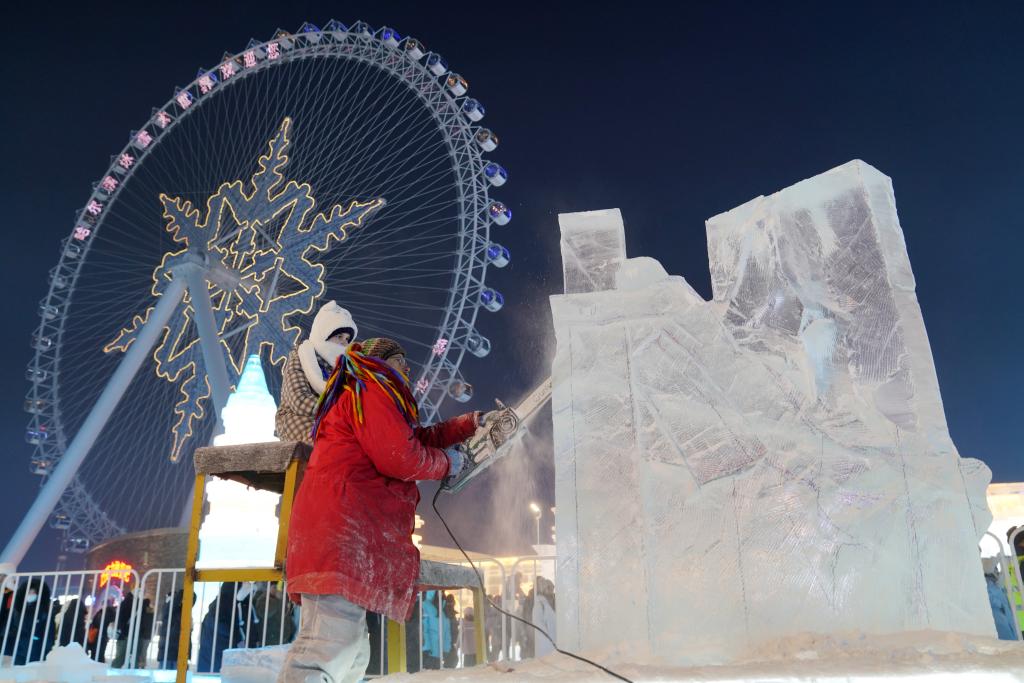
(490, 417)
(456, 462)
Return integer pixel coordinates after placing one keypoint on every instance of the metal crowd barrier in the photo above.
(1016, 591)
(494, 633)
(154, 648)
(511, 602)
(134, 622)
(92, 608)
(224, 616)
(440, 609)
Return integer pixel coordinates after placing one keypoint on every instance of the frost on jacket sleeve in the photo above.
(295, 390)
(391, 444)
(449, 432)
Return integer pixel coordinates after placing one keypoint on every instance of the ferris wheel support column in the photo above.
(209, 341)
(101, 411)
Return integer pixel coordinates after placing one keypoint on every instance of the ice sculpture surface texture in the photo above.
(771, 462)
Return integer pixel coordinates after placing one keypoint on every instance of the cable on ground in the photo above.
(480, 579)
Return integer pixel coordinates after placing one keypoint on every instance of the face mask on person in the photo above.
(331, 320)
(31, 597)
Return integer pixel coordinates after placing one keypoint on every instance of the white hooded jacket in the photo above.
(303, 377)
(329, 319)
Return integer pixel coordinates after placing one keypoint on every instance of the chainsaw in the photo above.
(495, 440)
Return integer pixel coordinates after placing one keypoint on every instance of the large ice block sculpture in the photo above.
(771, 462)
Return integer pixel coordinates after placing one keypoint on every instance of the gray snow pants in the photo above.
(332, 646)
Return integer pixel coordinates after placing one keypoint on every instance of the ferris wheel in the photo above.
(342, 162)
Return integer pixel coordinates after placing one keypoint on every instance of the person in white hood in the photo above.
(306, 370)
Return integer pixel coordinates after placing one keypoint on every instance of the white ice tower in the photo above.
(241, 527)
(772, 462)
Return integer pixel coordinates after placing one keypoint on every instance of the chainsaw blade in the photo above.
(494, 441)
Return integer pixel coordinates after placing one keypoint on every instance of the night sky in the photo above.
(673, 115)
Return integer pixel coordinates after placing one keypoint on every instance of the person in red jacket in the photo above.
(350, 543)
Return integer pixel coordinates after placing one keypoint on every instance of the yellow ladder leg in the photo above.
(396, 647)
(185, 639)
(480, 622)
(291, 475)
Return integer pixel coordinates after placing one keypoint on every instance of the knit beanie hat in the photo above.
(382, 347)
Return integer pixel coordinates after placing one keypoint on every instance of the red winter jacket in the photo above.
(354, 514)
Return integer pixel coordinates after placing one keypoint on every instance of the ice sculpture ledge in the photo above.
(773, 462)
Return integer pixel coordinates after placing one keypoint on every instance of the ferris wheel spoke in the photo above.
(414, 276)
(416, 272)
(365, 142)
(432, 182)
(363, 105)
(384, 301)
(424, 228)
(417, 250)
(369, 166)
(415, 241)
(380, 317)
(371, 159)
(397, 285)
(383, 330)
(411, 154)
(397, 220)
(330, 157)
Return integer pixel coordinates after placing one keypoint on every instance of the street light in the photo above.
(535, 509)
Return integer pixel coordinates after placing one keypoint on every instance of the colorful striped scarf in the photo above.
(353, 372)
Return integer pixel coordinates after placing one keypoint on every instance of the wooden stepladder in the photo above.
(275, 466)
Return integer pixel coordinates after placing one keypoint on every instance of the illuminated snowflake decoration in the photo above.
(267, 232)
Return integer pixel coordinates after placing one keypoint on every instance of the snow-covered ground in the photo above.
(70, 664)
(921, 656)
(916, 656)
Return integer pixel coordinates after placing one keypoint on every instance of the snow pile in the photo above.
(770, 463)
(67, 664)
